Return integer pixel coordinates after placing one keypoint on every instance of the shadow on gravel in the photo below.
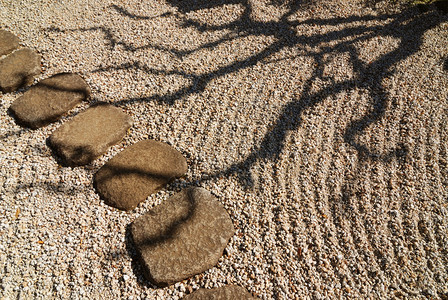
(136, 265)
(66, 188)
(149, 241)
(124, 12)
(12, 133)
(408, 27)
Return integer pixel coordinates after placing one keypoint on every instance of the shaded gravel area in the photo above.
(321, 126)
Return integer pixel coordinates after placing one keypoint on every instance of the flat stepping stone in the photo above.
(182, 237)
(89, 134)
(8, 42)
(48, 100)
(137, 172)
(228, 292)
(18, 69)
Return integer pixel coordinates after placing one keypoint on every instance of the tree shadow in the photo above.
(70, 153)
(193, 5)
(53, 110)
(22, 80)
(136, 262)
(77, 153)
(13, 133)
(130, 194)
(56, 187)
(145, 241)
(126, 13)
(408, 27)
(62, 86)
(442, 5)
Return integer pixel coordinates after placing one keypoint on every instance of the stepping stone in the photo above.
(48, 100)
(18, 69)
(228, 292)
(182, 237)
(8, 42)
(137, 172)
(89, 134)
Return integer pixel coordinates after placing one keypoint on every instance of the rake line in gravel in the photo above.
(368, 76)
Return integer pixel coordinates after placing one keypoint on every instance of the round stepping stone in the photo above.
(8, 42)
(137, 172)
(48, 100)
(182, 237)
(228, 292)
(18, 69)
(89, 134)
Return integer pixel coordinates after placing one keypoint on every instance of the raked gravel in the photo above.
(320, 125)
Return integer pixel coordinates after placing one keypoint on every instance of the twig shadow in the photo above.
(13, 133)
(125, 12)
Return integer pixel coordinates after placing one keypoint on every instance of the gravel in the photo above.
(320, 125)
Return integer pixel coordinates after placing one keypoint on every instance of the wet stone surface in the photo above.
(89, 134)
(182, 237)
(140, 170)
(47, 101)
(18, 69)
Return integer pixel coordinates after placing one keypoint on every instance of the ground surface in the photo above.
(322, 126)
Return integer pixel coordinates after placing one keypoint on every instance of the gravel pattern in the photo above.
(320, 125)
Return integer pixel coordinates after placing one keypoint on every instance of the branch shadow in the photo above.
(126, 13)
(23, 80)
(13, 133)
(55, 187)
(130, 196)
(62, 87)
(146, 241)
(53, 109)
(189, 6)
(407, 26)
(69, 153)
(136, 261)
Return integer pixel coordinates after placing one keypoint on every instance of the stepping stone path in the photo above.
(8, 42)
(229, 292)
(137, 172)
(89, 134)
(182, 237)
(48, 100)
(18, 69)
